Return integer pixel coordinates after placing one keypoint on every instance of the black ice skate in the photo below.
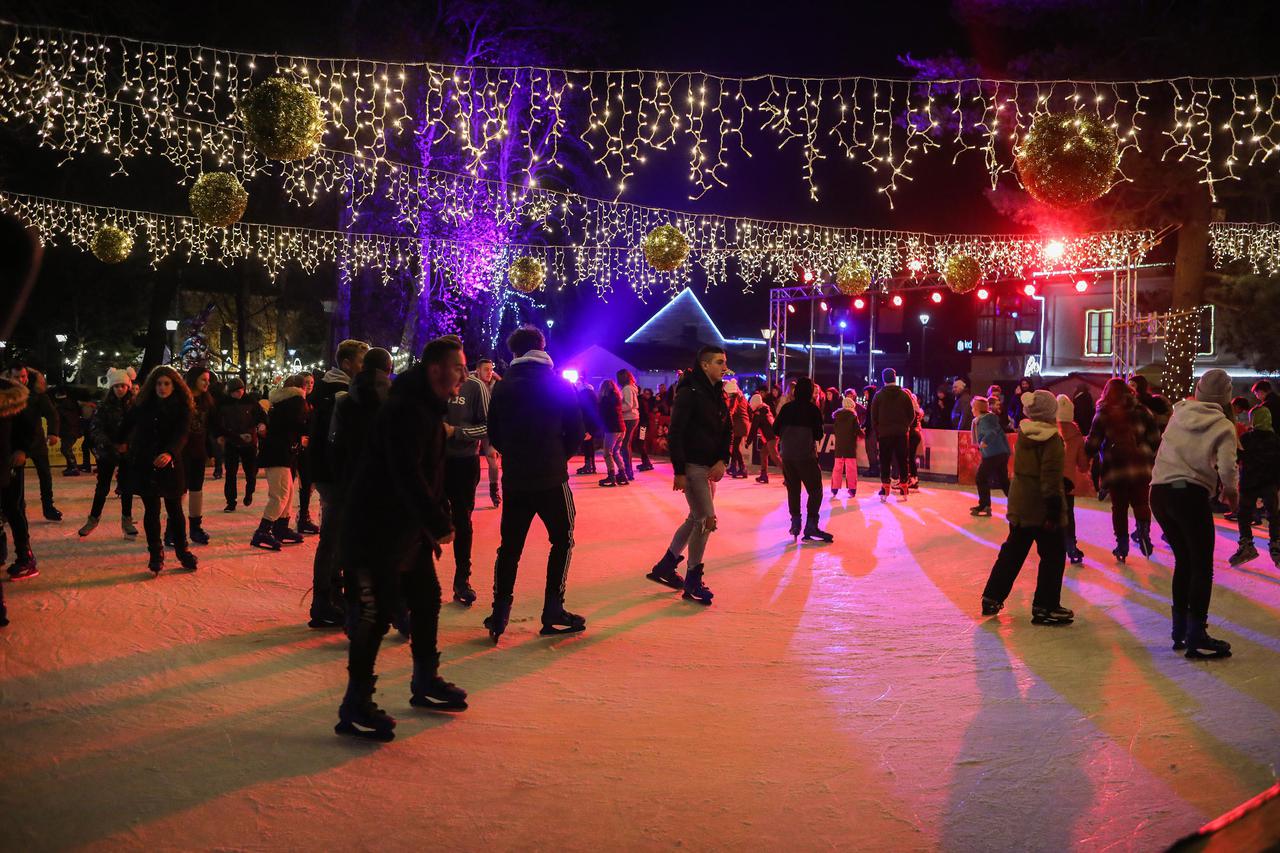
(463, 593)
(496, 622)
(494, 496)
(884, 494)
(188, 560)
(812, 533)
(264, 538)
(695, 589)
(980, 510)
(1076, 556)
(428, 690)
(1200, 646)
(1143, 534)
(561, 621)
(665, 571)
(24, 566)
(326, 614)
(197, 534)
(360, 716)
(306, 526)
(1051, 616)
(795, 527)
(1179, 632)
(155, 564)
(285, 534)
(990, 607)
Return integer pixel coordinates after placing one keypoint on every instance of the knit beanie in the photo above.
(1260, 418)
(847, 403)
(889, 375)
(1040, 406)
(116, 376)
(756, 401)
(234, 385)
(1066, 409)
(1214, 387)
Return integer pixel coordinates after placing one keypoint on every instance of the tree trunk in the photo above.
(1189, 268)
(242, 324)
(163, 292)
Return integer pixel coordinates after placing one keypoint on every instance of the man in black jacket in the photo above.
(15, 437)
(535, 423)
(326, 604)
(469, 416)
(238, 424)
(394, 523)
(354, 413)
(698, 440)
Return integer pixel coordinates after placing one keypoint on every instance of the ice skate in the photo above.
(52, 513)
(1200, 646)
(359, 715)
(1179, 631)
(884, 494)
(990, 607)
(127, 527)
(24, 566)
(428, 690)
(1076, 556)
(1144, 539)
(89, 526)
(285, 534)
(812, 533)
(188, 560)
(494, 496)
(196, 532)
(795, 527)
(608, 482)
(230, 507)
(496, 622)
(155, 564)
(561, 621)
(1121, 551)
(853, 493)
(1246, 552)
(903, 492)
(665, 571)
(306, 526)
(463, 593)
(980, 511)
(1052, 616)
(695, 589)
(264, 538)
(326, 614)
(763, 479)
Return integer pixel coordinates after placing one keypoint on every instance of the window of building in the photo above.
(1097, 332)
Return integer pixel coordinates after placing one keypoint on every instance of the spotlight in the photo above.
(1082, 286)
(1030, 290)
(807, 275)
(791, 309)
(570, 375)
(843, 324)
(936, 297)
(859, 303)
(1054, 250)
(897, 301)
(823, 305)
(983, 294)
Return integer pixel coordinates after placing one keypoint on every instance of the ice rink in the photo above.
(842, 696)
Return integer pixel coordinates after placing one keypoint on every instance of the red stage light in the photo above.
(1030, 290)
(791, 309)
(808, 276)
(936, 297)
(1082, 286)
(897, 301)
(823, 305)
(859, 303)
(1055, 249)
(983, 293)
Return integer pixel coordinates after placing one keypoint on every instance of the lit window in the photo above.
(1097, 332)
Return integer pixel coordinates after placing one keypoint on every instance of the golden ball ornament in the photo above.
(853, 278)
(665, 248)
(526, 274)
(962, 273)
(218, 199)
(1068, 159)
(111, 244)
(282, 119)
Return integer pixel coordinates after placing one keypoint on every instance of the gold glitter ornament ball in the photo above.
(1068, 159)
(282, 119)
(853, 278)
(962, 273)
(526, 274)
(217, 199)
(665, 248)
(111, 245)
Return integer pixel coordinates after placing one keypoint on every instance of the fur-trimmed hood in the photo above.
(284, 392)
(13, 398)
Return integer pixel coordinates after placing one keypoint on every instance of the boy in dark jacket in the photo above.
(15, 438)
(1037, 514)
(106, 433)
(799, 428)
(698, 441)
(534, 422)
(469, 416)
(40, 409)
(238, 424)
(1259, 481)
(892, 414)
(393, 524)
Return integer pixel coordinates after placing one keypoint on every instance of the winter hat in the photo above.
(756, 401)
(116, 376)
(133, 374)
(1040, 406)
(889, 375)
(731, 387)
(1260, 418)
(847, 403)
(1066, 409)
(1214, 387)
(234, 385)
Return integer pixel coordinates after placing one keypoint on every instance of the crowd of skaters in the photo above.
(396, 464)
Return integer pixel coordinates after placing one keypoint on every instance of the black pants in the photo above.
(1069, 532)
(555, 508)
(736, 462)
(219, 455)
(234, 457)
(1013, 553)
(913, 450)
(13, 503)
(642, 446)
(992, 469)
(176, 526)
(1187, 520)
(67, 446)
(378, 594)
(1248, 501)
(40, 459)
(106, 470)
(304, 487)
(893, 448)
(589, 453)
(803, 472)
(461, 477)
(1127, 493)
(326, 570)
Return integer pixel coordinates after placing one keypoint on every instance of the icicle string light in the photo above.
(1217, 124)
(1255, 243)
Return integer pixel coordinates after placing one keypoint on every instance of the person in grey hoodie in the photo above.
(892, 414)
(1197, 452)
(468, 414)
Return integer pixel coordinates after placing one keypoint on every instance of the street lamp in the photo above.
(551, 324)
(924, 337)
(171, 325)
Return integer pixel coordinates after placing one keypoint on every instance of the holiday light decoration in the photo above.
(1068, 159)
(1256, 244)
(1219, 124)
(665, 248)
(962, 273)
(526, 274)
(853, 278)
(111, 245)
(282, 119)
(218, 199)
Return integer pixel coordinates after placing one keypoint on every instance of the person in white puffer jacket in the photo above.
(1197, 452)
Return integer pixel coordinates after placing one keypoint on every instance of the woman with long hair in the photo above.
(106, 433)
(305, 524)
(1126, 434)
(195, 455)
(612, 430)
(740, 420)
(157, 429)
(630, 416)
(286, 437)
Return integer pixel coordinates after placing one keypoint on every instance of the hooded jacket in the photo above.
(1126, 434)
(1037, 493)
(799, 429)
(106, 430)
(534, 422)
(151, 428)
(286, 425)
(1076, 461)
(395, 503)
(700, 432)
(13, 428)
(762, 424)
(354, 413)
(38, 410)
(847, 431)
(589, 405)
(986, 429)
(892, 412)
(326, 390)
(1199, 447)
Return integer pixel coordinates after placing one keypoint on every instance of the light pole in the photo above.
(62, 357)
(771, 357)
(840, 369)
(924, 330)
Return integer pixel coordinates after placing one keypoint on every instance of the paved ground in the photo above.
(842, 696)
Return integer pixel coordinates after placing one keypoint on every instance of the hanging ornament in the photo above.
(217, 199)
(962, 273)
(526, 274)
(282, 119)
(853, 278)
(665, 248)
(1068, 159)
(111, 245)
